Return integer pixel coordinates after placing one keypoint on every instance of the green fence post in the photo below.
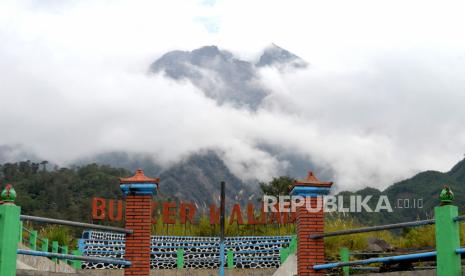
(33, 240)
(64, 250)
(344, 252)
(20, 231)
(180, 258)
(230, 259)
(75, 263)
(44, 245)
(54, 249)
(283, 254)
(447, 237)
(9, 227)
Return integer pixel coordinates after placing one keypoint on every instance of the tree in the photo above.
(278, 186)
(44, 163)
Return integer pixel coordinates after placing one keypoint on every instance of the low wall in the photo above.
(23, 272)
(249, 252)
(40, 264)
(430, 272)
(161, 272)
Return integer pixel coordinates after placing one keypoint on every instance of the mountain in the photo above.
(216, 72)
(280, 58)
(197, 179)
(423, 188)
(194, 179)
(227, 79)
(458, 171)
(203, 170)
(122, 159)
(296, 165)
(66, 192)
(222, 76)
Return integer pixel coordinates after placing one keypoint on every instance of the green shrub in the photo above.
(418, 237)
(58, 233)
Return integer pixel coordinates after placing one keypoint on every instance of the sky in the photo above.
(382, 99)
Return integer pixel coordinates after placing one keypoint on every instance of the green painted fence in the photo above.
(447, 239)
(344, 253)
(284, 252)
(180, 258)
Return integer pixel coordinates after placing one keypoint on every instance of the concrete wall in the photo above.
(24, 272)
(202, 272)
(212, 272)
(161, 272)
(288, 268)
(431, 272)
(26, 262)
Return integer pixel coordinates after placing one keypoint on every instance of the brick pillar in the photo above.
(138, 191)
(310, 251)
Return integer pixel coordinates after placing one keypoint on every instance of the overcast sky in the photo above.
(383, 98)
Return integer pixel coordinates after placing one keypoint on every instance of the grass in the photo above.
(355, 242)
(204, 229)
(58, 233)
(409, 238)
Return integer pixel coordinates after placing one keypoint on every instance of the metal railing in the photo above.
(447, 243)
(375, 228)
(414, 256)
(75, 224)
(73, 257)
(54, 255)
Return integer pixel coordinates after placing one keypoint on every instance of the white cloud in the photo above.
(382, 98)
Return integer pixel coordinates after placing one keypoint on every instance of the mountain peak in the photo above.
(274, 55)
(458, 171)
(220, 75)
(211, 50)
(223, 76)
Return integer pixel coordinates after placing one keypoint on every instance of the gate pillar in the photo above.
(138, 191)
(310, 220)
(10, 231)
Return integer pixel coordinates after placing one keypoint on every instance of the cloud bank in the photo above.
(382, 98)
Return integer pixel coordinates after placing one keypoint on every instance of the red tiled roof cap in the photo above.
(311, 180)
(139, 177)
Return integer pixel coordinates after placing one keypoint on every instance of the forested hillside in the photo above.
(63, 193)
(67, 192)
(424, 187)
